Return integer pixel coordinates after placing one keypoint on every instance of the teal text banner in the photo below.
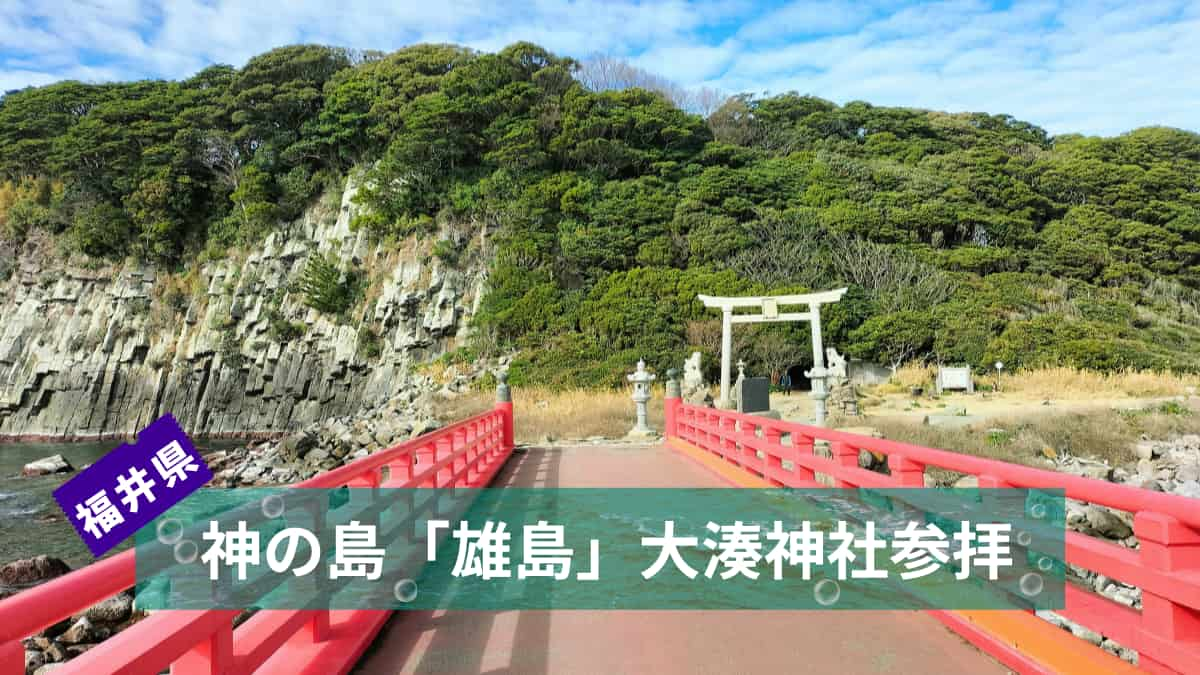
(512, 548)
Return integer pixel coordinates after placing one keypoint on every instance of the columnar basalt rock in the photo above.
(230, 349)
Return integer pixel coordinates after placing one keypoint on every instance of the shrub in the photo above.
(282, 330)
(447, 251)
(326, 288)
(231, 348)
(370, 344)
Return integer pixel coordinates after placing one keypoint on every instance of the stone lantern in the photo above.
(641, 394)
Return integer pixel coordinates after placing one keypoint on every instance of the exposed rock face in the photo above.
(99, 353)
(47, 465)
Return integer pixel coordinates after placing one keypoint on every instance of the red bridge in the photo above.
(703, 448)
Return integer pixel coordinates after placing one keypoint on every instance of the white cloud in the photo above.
(1075, 65)
(807, 18)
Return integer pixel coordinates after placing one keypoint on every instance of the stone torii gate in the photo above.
(770, 305)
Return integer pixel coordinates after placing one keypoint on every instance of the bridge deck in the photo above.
(563, 641)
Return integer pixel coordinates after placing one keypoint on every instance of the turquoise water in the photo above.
(30, 521)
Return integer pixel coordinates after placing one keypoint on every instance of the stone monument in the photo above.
(641, 393)
(955, 377)
(753, 395)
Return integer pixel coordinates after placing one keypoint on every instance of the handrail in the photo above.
(1166, 567)
(467, 453)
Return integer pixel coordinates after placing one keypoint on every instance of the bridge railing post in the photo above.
(213, 655)
(906, 472)
(12, 657)
(1168, 627)
(728, 427)
(505, 407)
(846, 456)
(773, 457)
(671, 403)
(804, 446)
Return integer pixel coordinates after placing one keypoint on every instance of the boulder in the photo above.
(76, 650)
(1189, 488)
(56, 653)
(1106, 523)
(113, 610)
(294, 446)
(1187, 473)
(46, 466)
(22, 574)
(1088, 468)
(84, 631)
(1122, 594)
(53, 631)
(1147, 450)
(1146, 467)
(34, 659)
(967, 482)
(1076, 514)
(422, 426)
(869, 460)
(1144, 483)
(1086, 634)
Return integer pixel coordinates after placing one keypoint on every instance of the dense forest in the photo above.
(604, 210)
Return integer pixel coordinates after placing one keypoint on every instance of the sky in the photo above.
(1091, 66)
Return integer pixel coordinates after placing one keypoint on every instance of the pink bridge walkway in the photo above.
(576, 641)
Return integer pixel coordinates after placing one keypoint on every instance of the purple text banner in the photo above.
(132, 485)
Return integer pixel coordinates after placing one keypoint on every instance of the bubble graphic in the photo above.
(1045, 564)
(186, 551)
(1032, 584)
(405, 590)
(1038, 511)
(826, 592)
(1024, 538)
(169, 531)
(272, 506)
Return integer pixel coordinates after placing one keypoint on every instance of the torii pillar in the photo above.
(770, 305)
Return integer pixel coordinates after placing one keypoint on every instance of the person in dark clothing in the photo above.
(785, 383)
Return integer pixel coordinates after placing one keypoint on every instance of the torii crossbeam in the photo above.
(770, 305)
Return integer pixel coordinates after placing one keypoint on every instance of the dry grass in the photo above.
(1074, 383)
(908, 376)
(1057, 383)
(540, 414)
(1105, 434)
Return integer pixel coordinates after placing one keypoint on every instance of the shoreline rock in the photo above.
(19, 575)
(326, 445)
(46, 466)
(92, 438)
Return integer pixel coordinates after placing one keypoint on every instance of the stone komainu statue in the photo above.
(695, 389)
(843, 395)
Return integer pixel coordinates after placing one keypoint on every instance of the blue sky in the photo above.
(1092, 66)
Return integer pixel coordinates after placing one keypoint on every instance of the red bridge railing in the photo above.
(468, 453)
(1166, 567)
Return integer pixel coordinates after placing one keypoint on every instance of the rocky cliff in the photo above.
(228, 346)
